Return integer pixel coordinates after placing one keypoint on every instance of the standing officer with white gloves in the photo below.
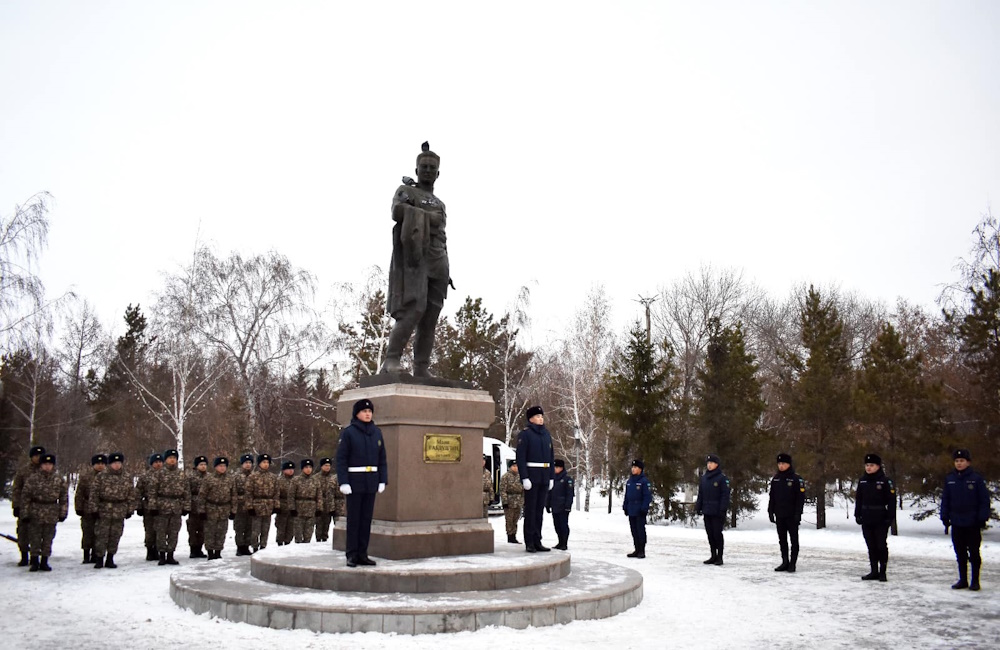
(362, 472)
(536, 465)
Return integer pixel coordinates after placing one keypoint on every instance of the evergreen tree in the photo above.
(729, 408)
(816, 387)
(637, 399)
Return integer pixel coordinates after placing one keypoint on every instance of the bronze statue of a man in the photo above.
(418, 273)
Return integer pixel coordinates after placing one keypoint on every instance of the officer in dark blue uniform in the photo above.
(536, 466)
(784, 508)
(638, 498)
(362, 473)
(875, 510)
(561, 502)
(713, 503)
(965, 506)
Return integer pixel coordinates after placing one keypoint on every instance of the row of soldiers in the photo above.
(163, 495)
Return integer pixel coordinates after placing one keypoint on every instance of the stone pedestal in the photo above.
(428, 508)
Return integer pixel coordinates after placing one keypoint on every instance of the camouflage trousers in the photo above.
(511, 515)
(107, 533)
(215, 532)
(149, 526)
(196, 531)
(241, 526)
(284, 527)
(167, 527)
(304, 528)
(87, 523)
(323, 526)
(40, 538)
(260, 528)
(23, 532)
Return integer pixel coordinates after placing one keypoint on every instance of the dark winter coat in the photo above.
(361, 445)
(638, 495)
(965, 500)
(713, 494)
(534, 445)
(560, 497)
(875, 499)
(788, 495)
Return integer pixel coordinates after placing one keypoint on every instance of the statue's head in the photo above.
(428, 165)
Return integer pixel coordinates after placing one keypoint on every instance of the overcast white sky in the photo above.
(626, 143)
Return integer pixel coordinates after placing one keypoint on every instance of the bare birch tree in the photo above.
(23, 236)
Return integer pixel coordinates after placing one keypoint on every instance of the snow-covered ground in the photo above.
(686, 604)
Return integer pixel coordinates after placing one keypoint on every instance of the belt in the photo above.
(367, 468)
(538, 464)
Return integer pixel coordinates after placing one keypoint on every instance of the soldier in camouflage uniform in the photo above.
(487, 489)
(217, 499)
(326, 515)
(308, 491)
(196, 521)
(34, 462)
(112, 500)
(284, 521)
(512, 495)
(143, 486)
(45, 502)
(261, 501)
(80, 500)
(241, 522)
(171, 500)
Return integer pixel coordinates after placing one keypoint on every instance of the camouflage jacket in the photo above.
(217, 496)
(240, 485)
(333, 500)
(83, 487)
(511, 490)
(286, 493)
(195, 479)
(112, 495)
(487, 487)
(308, 492)
(45, 499)
(261, 492)
(20, 477)
(142, 485)
(169, 493)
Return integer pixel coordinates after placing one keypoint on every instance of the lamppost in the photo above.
(577, 443)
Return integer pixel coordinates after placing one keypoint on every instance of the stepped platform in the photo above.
(309, 587)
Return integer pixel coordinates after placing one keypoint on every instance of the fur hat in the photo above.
(784, 458)
(48, 458)
(962, 453)
(99, 458)
(116, 457)
(170, 452)
(559, 462)
(325, 461)
(287, 465)
(262, 457)
(712, 458)
(638, 463)
(198, 460)
(361, 405)
(36, 451)
(306, 462)
(246, 458)
(221, 460)
(533, 411)
(155, 458)
(874, 459)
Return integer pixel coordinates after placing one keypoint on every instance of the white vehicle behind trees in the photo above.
(498, 455)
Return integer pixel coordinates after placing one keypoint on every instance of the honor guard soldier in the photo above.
(261, 501)
(965, 506)
(512, 494)
(45, 502)
(561, 503)
(713, 503)
(17, 499)
(83, 486)
(170, 502)
(217, 499)
(241, 523)
(875, 510)
(112, 500)
(284, 520)
(196, 520)
(144, 486)
(308, 494)
(536, 465)
(638, 497)
(784, 508)
(362, 473)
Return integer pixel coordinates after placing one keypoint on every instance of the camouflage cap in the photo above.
(98, 459)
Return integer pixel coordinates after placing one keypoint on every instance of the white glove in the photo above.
(345, 488)
(381, 488)
(551, 484)
(526, 483)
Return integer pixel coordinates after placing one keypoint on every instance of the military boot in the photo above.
(718, 558)
(99, 562)
(34, 563)
(110, 562)
(784, 563)
(641, 553)
(151, 554)
(881, 572)
(963, 576)
(24, 559)
(974, 585)
(873, 574)
(43, 563)
(88, 556)
(710, 560)
(170, 558)
(512, 539)
(791, 563)
(163, 558)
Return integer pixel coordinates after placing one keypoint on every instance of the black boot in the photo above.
(791, 563)
(43, 564)
(873, 574)
(710, 560)
(170, 558)
(364, 560)
(512, 539)
(641, 552)
(542, 549)
(163, 558)
(110, 562)
(881, 572)
(99, 562)
(963, 576)
(352, 561)
(34, 563)
(784, 563)
(974, 585)
(24, 559)
(88, 556)
(718, 558)
(151, 554)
